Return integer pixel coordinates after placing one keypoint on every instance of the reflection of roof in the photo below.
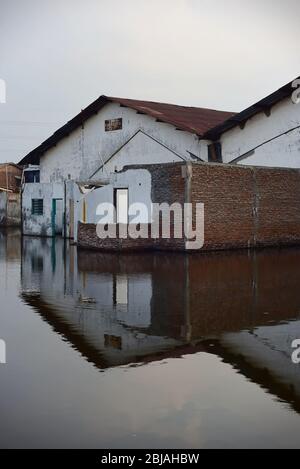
(191, 119)
(257, 373)
(64, 329)
(95, 355)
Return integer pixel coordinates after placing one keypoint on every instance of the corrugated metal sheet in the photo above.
(192, 119)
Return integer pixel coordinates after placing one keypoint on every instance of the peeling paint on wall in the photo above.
(40, 225)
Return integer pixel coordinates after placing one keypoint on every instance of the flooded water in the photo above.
(147, 351)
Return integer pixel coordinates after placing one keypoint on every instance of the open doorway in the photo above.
(57, 217)
(121, 205)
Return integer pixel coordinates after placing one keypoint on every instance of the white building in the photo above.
(109, 134)
(265, 134)
(114, 132)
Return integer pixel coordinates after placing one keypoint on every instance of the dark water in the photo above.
(152, 351)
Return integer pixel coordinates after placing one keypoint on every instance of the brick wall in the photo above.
(248, 206)
(168, 185)
(8, 177)
(87, 238)
(278, 206)
(244, 207)
(228, 196)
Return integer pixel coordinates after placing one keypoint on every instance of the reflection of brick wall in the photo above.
(207, 294)
(8, 179)
(230, 291)
(244, 206)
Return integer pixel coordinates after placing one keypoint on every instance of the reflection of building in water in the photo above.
(107, 313)
(264, 356)
(119, 309)
(10, 247)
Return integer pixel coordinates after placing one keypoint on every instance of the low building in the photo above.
(99, 142)
(10, 177)
(232, 207)
(10, 198)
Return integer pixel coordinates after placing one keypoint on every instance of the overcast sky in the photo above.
(56, 56)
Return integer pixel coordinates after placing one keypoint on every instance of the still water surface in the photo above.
(150, 351)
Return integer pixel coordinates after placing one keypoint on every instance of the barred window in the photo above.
(37, 206)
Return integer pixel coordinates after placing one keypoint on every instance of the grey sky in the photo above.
(56, 56)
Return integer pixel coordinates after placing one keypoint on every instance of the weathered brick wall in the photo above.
(248, 206)
(227, 193)
(168, 185)
(87, 238)
(244, 207)
(278, 206)
(8, 177)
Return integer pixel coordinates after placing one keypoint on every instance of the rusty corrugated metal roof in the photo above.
(190, 119)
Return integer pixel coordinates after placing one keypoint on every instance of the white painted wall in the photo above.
(283, 151)
(39, 225)
(80, 154)
(141, 149)
(138, 181)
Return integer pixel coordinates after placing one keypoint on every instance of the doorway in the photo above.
(121, 205)
(57, 217)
